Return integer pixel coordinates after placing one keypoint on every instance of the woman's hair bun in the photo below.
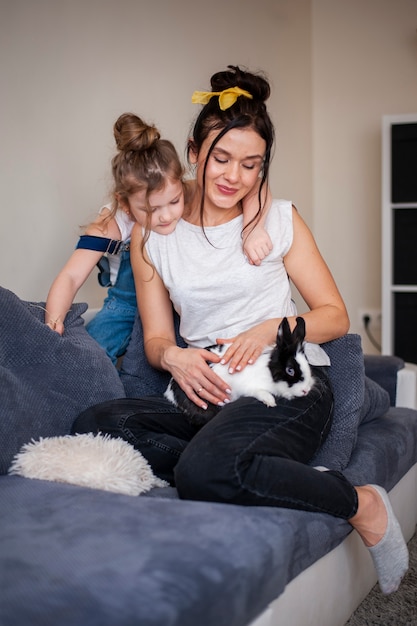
(256, 84)
(132, 134)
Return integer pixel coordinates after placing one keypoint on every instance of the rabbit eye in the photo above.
(289, 371)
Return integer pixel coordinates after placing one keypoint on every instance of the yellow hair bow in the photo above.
(226, 98)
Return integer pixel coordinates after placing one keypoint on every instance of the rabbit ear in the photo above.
(284, 333)
(299, 331)
(286, 337)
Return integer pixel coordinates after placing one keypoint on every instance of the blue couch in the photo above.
(77, 556)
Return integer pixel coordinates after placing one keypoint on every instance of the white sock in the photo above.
(390, 554)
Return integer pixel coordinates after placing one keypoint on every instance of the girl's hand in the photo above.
(57, 326)
(246, 347)
(188, 366)
(257, 245)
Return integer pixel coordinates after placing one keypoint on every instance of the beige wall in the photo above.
(69, 68)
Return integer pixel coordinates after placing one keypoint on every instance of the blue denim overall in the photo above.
(113, 324)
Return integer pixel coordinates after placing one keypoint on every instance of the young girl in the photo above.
(148, 189)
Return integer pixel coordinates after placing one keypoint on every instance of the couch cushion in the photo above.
(139, 378)
(383, 369)
(347, 377)
(102, 559)
(376, 401)
(105, 559)
(46, 380)
(357, 399)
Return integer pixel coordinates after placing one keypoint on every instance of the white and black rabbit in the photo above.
(281, 370)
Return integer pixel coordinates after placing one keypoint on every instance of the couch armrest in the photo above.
(396, 376)
(407, 386)
(384, 370)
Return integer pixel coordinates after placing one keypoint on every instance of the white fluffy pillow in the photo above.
(96, 461)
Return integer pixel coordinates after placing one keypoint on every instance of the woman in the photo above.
(248, 454)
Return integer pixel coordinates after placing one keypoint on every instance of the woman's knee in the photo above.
(203, 476)
(193, 481)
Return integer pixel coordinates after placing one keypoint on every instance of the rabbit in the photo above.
(281, 370)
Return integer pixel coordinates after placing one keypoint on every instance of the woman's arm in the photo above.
(188, 366)
(327, 318)
(155, 308)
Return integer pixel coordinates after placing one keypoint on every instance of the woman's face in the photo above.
(166, 207)
(232, 168)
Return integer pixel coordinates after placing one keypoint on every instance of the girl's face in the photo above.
(166, 207)
(232, 168)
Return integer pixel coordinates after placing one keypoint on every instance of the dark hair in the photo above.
(244, 113)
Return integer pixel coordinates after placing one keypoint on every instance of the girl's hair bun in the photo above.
(132, 134)
(256, 84)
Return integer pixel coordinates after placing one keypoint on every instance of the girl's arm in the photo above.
(187, 365)
(257, 243)
(74, 274)
(327, 317)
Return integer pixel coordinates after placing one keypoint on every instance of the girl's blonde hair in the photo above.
(143, 161)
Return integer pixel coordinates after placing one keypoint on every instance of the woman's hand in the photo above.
(246, 347)
(188, 366)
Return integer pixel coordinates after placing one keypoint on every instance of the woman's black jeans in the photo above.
(248, 454)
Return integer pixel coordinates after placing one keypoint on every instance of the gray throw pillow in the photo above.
(347, 377)
(139, 378)
(46, 380)
(376, 402)
(357, 399)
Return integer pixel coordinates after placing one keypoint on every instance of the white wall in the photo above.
(69, 68)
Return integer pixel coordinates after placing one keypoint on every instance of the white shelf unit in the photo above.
(399, 236)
